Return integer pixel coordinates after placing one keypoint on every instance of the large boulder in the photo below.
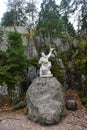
(45, 101)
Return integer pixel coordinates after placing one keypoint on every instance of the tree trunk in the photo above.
(85, 6)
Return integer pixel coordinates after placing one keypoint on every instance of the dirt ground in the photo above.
(75, 120)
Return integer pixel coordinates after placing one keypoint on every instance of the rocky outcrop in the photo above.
(45, 101)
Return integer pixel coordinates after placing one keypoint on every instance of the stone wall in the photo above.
(30, 50)
(31, 43)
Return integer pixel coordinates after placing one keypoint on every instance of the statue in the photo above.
(45, 64)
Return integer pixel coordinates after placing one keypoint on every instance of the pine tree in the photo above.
(49, 23)
(8, 18)
(13, 62)
(70, 7)
(16, 61)
(31, 12)
(15, 15)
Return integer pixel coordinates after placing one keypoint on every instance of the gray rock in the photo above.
(32, 73)
(71, 105)
(45, 101)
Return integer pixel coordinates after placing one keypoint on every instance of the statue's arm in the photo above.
(50, 53)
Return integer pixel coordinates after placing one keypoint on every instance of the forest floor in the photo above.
(74, 120)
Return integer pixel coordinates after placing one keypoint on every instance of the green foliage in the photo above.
(31, 13)
(8, 18)
(69, 7)
(57, 71)
(14, 40)
(67, 26)
(20, 13)
(80, 57)
(49, 22)
(14, 61)
(2, 66)
(34, 62)
(15, 15)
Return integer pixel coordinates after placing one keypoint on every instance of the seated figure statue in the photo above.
(45, 64)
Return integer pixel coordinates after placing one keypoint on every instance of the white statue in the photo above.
(45, 64)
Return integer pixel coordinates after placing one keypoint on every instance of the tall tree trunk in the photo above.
(15, 17)
(85, 6)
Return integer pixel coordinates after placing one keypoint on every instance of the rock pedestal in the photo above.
(45, 100)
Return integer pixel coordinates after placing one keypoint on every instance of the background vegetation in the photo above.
(53, 21)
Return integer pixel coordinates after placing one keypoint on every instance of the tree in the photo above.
(85, 7)
(80, 59)
(8, 18)
(31, 11)
(67, 26)
(83, 21)
(70, 7)
(15, 14)
(49, 23)
(13, 62)
(16, 58)
(19, 13)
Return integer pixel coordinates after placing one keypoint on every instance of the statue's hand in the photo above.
(51, 49)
